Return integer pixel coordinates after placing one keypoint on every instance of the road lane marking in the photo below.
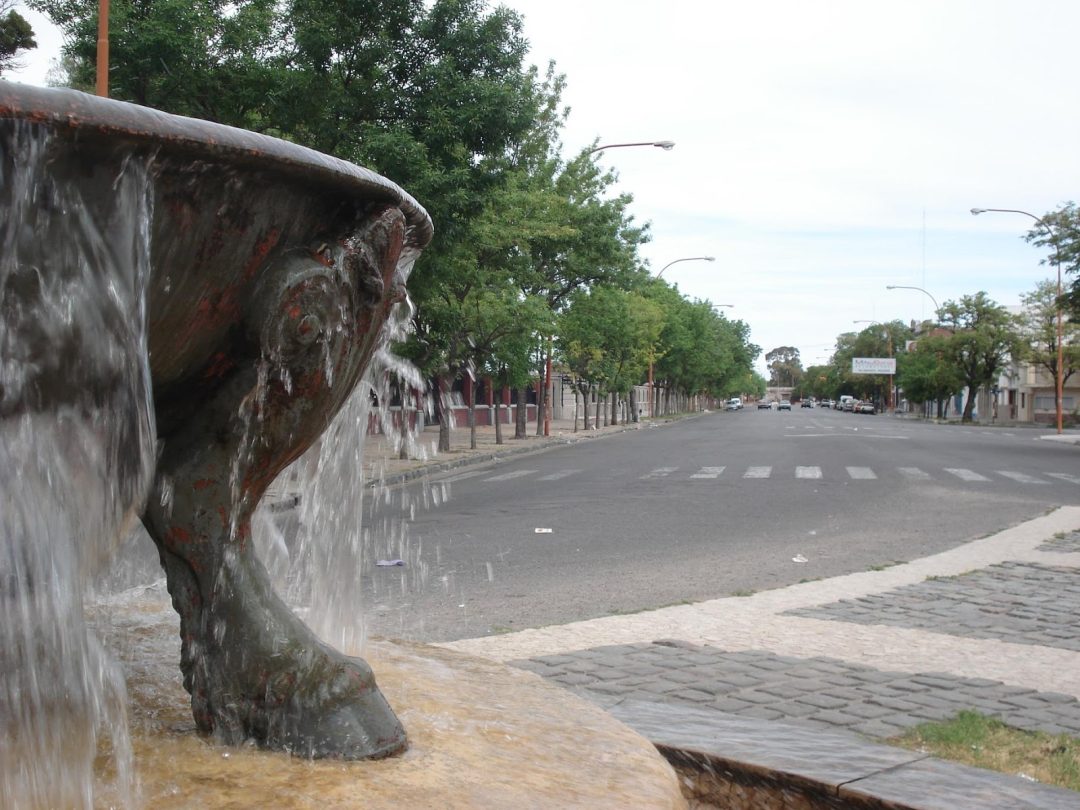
(509, 475)
(861, 473)
(461, 476)
(965, 475)
(757, 472)
(708, 472)
(1021, 478)
(1072, 479)
(660, 472)
(915, 474)
(555, 476)
(808, 472)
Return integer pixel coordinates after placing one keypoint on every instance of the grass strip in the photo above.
(975, 739)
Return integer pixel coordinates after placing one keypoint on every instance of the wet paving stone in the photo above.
(1022, 603)
(818, 692)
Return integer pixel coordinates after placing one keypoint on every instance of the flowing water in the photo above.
(76, 460)
(76, 455)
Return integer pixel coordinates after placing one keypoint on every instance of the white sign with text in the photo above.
(873, 365)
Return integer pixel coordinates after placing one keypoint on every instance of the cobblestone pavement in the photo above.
(989, 626)
(1022, 603)
(825, 692)
(1069, 543)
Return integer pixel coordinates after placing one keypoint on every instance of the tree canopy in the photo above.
(16, 36)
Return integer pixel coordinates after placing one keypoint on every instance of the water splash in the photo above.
(330, 541)
(76, 455)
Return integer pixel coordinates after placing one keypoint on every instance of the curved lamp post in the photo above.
(1059, 380)
(888, 340)
(687, 259)
(667, 146)
(662, 269)
(920, 289)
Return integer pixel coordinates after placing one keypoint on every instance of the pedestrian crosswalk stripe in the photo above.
(463, 476)
(914, 473)
(708, 472)
(965, 475)
(757, 472)
(808, 472)
(555, 476)
(861, 473)
(507, 476)
(660, 472)
(1072, 479)
(1021, 478)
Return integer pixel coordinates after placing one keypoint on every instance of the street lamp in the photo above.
(1059, 379)
(888, 341)
(667, 146)
(687, 259)
(920, 289)
(662, 269)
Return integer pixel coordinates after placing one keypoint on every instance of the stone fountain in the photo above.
(185, 307)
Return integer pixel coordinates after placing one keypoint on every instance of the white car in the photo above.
(733, 404)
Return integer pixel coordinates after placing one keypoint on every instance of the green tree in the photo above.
(785, 367)
(984, 336)
(1061, 233)
(212, 59)
(1039, 326)
(15, 35)
(925, 375)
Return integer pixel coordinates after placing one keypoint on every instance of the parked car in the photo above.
(865, 406)
(806, 403)
(785, 405)
(826, 403)
(733, 404)
(764, 405)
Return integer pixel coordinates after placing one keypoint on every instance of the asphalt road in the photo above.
(706, 507)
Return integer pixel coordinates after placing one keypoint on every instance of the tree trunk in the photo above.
(585, 405)
(446, 412)
(472, 414)
(403, 451)
(575, 408)
(969, 406)
(633, 405)
(498, 416)
(541, 400)
(598, 408)
(521, 416)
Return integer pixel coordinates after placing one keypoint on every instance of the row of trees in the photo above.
(967, 348)
(534, 254)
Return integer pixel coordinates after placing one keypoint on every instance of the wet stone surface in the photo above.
(817, 692)
(738, 762)
(1021, 603)
(1068, 544)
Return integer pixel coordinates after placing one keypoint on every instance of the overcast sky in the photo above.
(823, 149)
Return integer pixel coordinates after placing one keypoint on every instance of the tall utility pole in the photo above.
(102, 86)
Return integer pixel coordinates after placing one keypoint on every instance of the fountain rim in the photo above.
(83, 114)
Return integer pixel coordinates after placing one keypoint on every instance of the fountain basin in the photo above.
(482, 734)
